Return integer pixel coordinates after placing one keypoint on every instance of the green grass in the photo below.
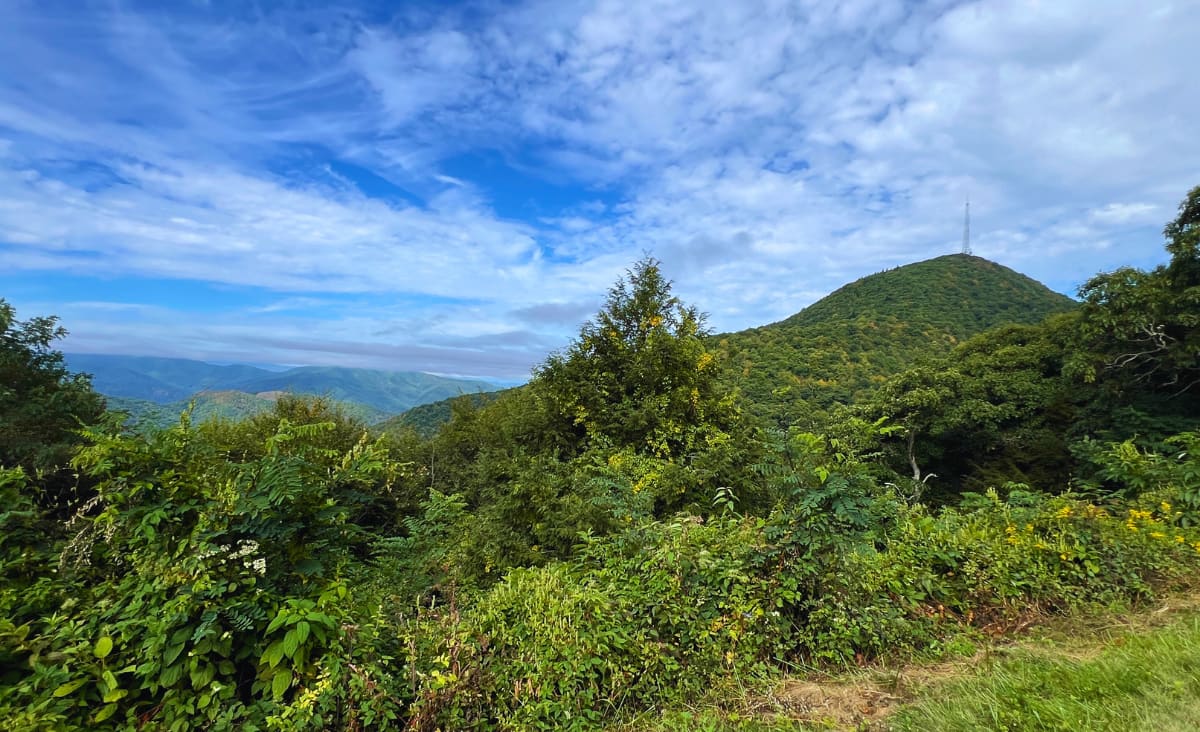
(1102, 671)
(1149, 680)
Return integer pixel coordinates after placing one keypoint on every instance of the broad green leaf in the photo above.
(274, 654)
(279, 620)
(171, 675)
(202, 675)
(290, 643)
(103, 647)
(281, 682)
(69, 687)
(105, 712)
(115, 695)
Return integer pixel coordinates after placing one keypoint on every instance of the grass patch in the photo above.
(1096, 670)
(1128, 681)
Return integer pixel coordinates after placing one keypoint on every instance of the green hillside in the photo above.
(427, 419)
(841, 346)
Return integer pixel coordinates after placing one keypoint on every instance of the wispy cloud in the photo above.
(766, 151)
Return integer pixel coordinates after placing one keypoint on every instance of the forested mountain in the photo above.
(427, 419)
(167, 380)
(840, 347)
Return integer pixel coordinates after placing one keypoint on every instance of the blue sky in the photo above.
(453, 187)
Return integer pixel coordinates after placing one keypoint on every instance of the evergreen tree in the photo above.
(640, 374)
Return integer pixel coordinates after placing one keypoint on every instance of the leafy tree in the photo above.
(639, 375)
(1143, 328)
(41, 403)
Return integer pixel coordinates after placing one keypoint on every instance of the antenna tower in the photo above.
(966, 249)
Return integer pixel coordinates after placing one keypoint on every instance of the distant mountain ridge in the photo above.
(167, 380)
(234, 405)
(840, 347)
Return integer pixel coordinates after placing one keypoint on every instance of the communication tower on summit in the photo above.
(966, 249)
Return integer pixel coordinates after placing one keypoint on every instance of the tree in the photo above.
(1183, 243)
(1143, 328)
(640, 374)
(41, 402)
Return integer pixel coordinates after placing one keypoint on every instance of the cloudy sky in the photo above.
(453, 187)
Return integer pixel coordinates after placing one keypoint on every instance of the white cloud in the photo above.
(767, 151)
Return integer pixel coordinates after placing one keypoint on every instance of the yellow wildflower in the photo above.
(1178, 539)
(1157, 535)
(1166, 507)
(1062, 513)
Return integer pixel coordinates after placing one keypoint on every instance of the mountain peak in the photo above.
(961, 294)
(843, 345)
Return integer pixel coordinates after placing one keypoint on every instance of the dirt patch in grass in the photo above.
(863, 700)
(839, 704)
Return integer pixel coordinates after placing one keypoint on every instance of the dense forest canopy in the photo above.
(842, 347)
(623, 532)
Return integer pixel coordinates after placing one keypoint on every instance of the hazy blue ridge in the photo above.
(166, 381)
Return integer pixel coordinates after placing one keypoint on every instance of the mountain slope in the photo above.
(157, 379)
(167, 380)
(836, 349)
(427, 419)
(387, 391)
(206, 405)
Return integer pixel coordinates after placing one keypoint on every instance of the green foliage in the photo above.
(426, 419)
(840, 348)
(611, 539)
(41, 403)
(1175, 476)
(996, 410)
(639, 374)
(1142, 327)
(629, 422)
(206, 589)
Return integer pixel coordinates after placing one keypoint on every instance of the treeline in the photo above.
(618, 535)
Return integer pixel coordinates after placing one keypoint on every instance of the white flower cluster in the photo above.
(244, 551)
(245, 548)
